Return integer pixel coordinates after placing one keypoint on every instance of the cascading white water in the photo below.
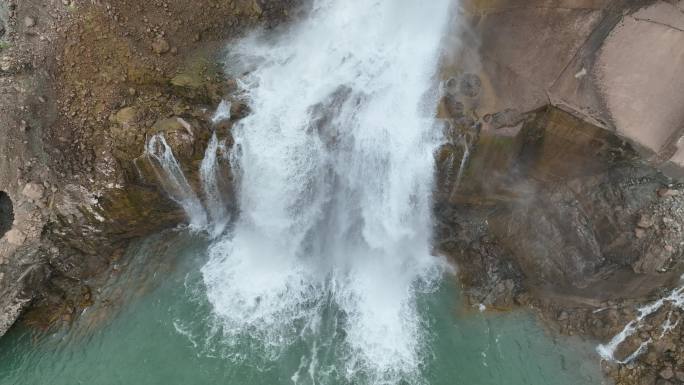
(171, 176)
(213, 216)
(210, 173)
(675, 299)
(335, 169)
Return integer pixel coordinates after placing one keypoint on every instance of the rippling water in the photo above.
(153, 325)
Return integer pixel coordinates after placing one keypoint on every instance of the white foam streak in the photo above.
(335, 165)
(214, 199)
(171, 176)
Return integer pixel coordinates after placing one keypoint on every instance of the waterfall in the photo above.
(335, 172)
(675, 299)
(214, 199)
(222, 112)
(215, 217)
(173, 180)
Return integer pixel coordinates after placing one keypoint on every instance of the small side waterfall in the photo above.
(462, 166)
(607, 351)
(213, 215)
(210, 172)
(171, 176)
(222, 112)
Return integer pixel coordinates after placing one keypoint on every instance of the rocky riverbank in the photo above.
(83, 84)
(552, 191)
(551, 194)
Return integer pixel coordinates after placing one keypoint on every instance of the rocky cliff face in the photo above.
(597, 59)
(563, 121)
(82, 86)
(555, 190)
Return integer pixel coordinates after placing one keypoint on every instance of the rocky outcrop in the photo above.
(82, 87)
(555, 190)
(571, 204)
(594, 58)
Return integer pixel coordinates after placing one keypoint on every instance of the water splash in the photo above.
(170, 175)
(335, 165)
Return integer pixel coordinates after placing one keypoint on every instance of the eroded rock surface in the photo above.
(616, 64)
(556, 188)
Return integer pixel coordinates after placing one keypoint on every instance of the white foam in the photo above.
(222, 112)
(335, 169)
(173, 180)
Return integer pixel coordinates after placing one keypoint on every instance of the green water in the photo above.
(152, 325)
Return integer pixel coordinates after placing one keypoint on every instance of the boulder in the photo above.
(15, 237)
(29, 21)
(33, 191)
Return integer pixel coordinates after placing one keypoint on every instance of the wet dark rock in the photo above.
(6, 213)
(571, 215)
(470, 85)
(467, 85)
(238, 110)
(452, 86)
(453, 106)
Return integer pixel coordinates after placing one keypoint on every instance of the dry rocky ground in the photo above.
(556, 207)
